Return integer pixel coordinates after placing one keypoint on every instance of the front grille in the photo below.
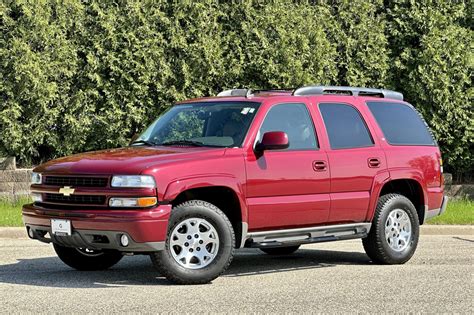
(75, 181)
(75, 199)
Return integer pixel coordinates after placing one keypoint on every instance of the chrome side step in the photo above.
(316, 234)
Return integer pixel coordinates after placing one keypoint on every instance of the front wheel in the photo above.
(87, 259)
(395, 230)
(199, 245)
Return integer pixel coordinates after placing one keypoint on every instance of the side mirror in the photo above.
(273, 140)
(134, 137)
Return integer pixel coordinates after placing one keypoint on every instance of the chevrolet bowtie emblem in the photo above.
(66, 191)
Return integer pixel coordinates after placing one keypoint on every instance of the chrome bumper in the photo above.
(436, 212)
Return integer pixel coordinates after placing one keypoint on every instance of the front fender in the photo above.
(219, 180)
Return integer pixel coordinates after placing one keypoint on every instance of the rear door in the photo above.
(354, 158)
(288, 188)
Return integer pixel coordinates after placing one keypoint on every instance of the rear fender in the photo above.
(381, 179)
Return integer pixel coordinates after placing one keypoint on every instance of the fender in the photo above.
(392, 174)
(224, 180)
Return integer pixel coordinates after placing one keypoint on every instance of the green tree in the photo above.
(433, 65)
(86, 75)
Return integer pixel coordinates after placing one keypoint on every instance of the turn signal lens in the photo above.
(441, 165)
(146, 202)
(36, 197)
(133, 202)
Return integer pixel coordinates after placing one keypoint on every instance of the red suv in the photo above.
(268, 169)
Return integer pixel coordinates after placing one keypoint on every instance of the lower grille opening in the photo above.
(100, 239)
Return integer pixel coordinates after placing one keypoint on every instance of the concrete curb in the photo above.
(20, 232)
(13, 232)
(447, 230)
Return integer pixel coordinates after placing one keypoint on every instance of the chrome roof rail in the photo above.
(347, 90)
(236, 92)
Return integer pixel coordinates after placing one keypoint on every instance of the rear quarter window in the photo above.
(401, 124)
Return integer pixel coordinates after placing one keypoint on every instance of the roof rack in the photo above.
(250, 92)
(347, 90)
(236, 92)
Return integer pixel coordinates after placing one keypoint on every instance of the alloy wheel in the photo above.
(398, 231)
(194, 243)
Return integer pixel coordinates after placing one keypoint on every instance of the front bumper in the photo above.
(102, 229)
(436, 212)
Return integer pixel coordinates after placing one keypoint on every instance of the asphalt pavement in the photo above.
(327, 277)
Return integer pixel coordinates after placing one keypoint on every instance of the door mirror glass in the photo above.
(273, 140)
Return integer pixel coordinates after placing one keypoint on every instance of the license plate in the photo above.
(60, 227)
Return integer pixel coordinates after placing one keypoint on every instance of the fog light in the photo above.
(124, 240)
(31, 234)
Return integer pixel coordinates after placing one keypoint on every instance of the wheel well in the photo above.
(409, 188)
(223, 198)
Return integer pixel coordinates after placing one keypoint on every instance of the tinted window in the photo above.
(293, 119)
(400, 123)
(345, 126)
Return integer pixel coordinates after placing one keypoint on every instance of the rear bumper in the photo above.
(102, 229)
(436, 212)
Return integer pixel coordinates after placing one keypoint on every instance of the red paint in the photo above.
(142, 226)
(274, 140)
(275, 188)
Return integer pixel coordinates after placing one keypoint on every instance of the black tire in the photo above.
(376, 245)
(284, 250)
(81, 260)
(175, 272)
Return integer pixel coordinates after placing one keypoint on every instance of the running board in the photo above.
(307, 235)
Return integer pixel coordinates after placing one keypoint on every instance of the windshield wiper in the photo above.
(184, 142)
(145, 142)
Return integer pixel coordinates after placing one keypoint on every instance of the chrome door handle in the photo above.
(319, 166)
(374, 162)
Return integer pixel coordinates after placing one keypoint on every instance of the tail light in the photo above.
(441, 177)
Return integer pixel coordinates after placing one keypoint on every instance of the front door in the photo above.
(288, 188)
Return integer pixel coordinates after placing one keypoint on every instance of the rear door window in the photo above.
(345, 126)
(401, 124)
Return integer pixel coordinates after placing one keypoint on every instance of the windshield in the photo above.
(219, 124)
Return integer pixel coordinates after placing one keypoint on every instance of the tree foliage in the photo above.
(83, 75)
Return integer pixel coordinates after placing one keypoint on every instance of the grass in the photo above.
(10, 212)
(458, 212)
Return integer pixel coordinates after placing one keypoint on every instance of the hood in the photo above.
(128, 160)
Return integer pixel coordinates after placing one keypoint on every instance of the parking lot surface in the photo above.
(325, 277)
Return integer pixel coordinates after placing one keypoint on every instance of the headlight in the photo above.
(142, 202)
(134, 181)
(36, 178)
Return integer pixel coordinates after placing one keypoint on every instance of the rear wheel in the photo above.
(199, 245)
(87, 259)
(284, 250)
(394, 235)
